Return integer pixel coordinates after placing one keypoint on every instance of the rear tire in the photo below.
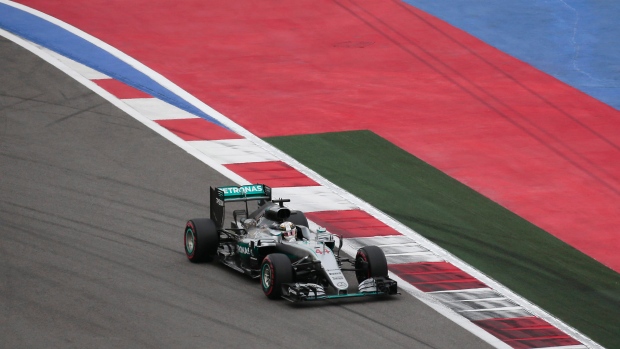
(201, 240)
(372, 263)
(275, 271)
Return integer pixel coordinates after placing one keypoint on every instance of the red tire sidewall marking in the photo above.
(365, 259)
(270, 266)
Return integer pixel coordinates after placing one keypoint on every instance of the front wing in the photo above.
(299, 292)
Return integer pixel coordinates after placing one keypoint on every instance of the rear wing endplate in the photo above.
(220, 195)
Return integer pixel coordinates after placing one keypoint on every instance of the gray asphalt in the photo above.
(92, 209)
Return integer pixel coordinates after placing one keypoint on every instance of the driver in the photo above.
(289, 231)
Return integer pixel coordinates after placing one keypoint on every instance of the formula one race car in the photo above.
(274, 243)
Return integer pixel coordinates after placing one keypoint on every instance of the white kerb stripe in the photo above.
(421, 257)
(387, 240)
(156, 109)
(313, 199)
(233, 151)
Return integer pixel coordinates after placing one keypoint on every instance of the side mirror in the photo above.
(340, 239)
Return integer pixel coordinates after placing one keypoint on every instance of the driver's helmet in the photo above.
(249, 223)
(289, 232)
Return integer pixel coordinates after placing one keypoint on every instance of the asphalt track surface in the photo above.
(91, 217)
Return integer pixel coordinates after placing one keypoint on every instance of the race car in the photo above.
(275, 244)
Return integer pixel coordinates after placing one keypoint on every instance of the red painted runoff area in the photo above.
(351, 223)
(435, 276)
(197, 129)
(120, 90)
(275, 174)
(535, 145)
(528, 332)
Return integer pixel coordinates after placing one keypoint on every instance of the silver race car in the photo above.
(274, 243)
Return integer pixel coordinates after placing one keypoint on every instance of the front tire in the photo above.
(370, 262)
(201, 240)
(275, 271)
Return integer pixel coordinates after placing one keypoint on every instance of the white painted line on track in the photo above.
(484, 299)
(501, 314)
(480, 300)
(398, 249)
(471, 292)
(490, 309)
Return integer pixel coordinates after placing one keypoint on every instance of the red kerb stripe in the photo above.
(435, 276)
(351, 223)
(526, 332)
(273, 173)
(120, 90)
(197, 129)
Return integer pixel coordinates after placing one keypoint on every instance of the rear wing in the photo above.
(220, 195)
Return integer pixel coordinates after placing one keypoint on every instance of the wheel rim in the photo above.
(266, 277)
(189, 241)
(361, 274)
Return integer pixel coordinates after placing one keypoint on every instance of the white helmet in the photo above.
(289, 231)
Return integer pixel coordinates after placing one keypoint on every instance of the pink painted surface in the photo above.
(538, 147)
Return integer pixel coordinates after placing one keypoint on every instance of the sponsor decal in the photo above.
(335, 275)
(246, 189)
(244, 249)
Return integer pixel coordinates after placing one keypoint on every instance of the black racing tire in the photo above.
(201, 240)
(298, 218)
(371, 262)
(275, 271)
